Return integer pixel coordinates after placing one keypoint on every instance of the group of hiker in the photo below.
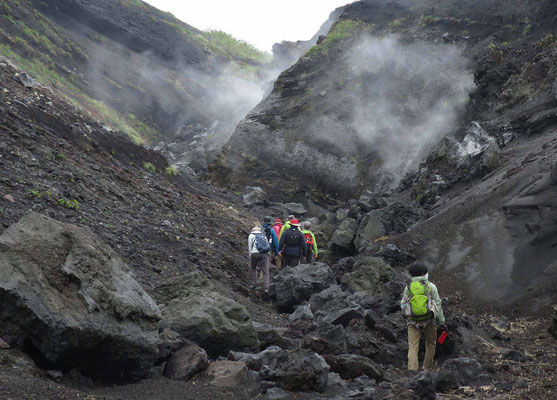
(287, 244)
(292, 243)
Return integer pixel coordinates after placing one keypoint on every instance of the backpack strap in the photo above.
(426, 287)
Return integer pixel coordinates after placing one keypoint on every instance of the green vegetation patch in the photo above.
(342, 30)
(222, 44)
(73, 203)
(134, 3)
(149, 167)
(171, 170)
(37, 38)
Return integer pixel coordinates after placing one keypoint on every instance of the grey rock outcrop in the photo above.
(194, 309)
(370, 229)
(70, 297)
(345, 234)
(254, 196)
(302, 312)
(186, 362)
(296, 209)
(292, 286)
(367, 275)
(423, 386)
(227, 373)
(350, 366)
(467, 371)
(269, 335)
(300, 370)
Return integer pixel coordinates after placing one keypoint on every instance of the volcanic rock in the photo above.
(227, 373)
(350, 366)
(185, 363)
(468, 371)
(70, 297)
(345, 234)
(300, 370)
(367, 275)
(254, 196)
(292, 286)
(195, 310)
(370, 229)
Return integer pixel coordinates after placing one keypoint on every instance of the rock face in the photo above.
(296, 208)
(292, 286)
(367, 275)
(254, 196)
(370, 229)
(350, 366)
(467, 371)
(186, 362)
(146, 35)
(227, 373)
(71, 298)
(345, 234)
(194, 309)
(301, 370)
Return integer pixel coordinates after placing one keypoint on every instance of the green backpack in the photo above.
(419, 301)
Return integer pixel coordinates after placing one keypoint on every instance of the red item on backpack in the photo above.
(443, 337)
(309, 240)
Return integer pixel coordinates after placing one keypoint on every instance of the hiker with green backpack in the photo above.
(421, 304)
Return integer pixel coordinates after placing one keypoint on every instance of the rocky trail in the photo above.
(124, 276)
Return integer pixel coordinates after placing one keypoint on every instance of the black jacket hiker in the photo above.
(293, 246)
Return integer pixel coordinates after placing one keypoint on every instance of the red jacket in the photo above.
(277, 227)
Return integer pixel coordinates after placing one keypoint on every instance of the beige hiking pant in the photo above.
(414, 335)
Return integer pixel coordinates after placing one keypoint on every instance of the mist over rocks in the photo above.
(142, 71)
(366, 120)
(485, 228)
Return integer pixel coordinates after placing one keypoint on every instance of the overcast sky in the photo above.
(259, 22)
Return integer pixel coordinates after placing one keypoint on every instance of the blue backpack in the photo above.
(262, 243)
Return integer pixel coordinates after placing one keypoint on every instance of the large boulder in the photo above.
(227, 373)
(194, 309)
(423, 386)
(186, 362)
(367, 275)
(466, 371)
(253, 196)
(371, 201)
(344, 235)
(70, 298)
(326, 339)
(350, 366)
(296, 209)
(269, 335)
(370, 229)
(292, 286)
(300, 370)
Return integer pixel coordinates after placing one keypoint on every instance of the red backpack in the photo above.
(309, 241)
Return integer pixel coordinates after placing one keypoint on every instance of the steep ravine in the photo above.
(121, 278)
